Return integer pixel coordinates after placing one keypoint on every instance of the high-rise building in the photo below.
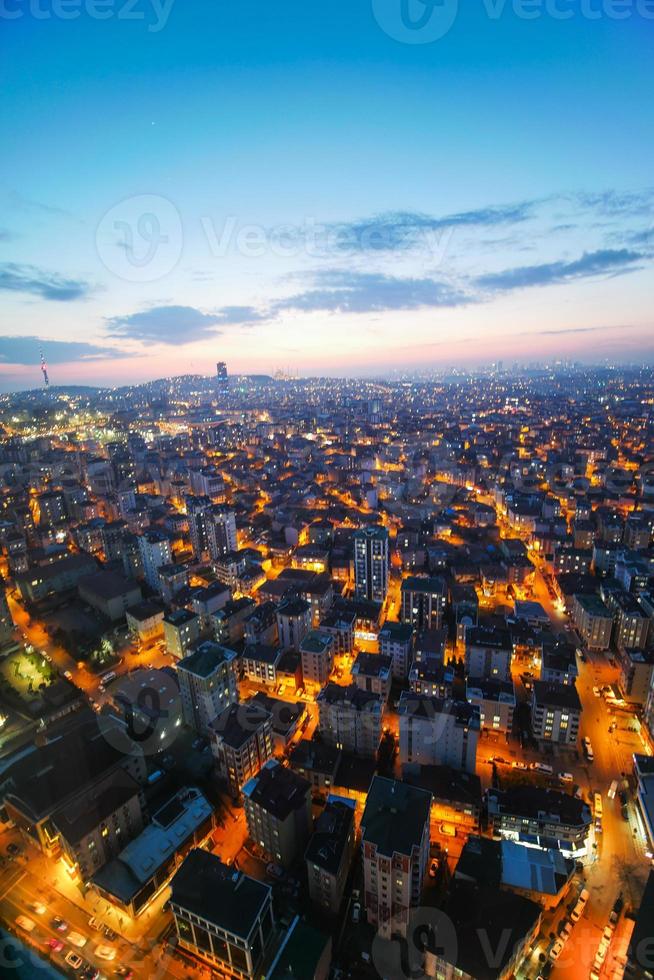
(212, 528)
(222, 378)
(371, 563)
(438, 732)
(155, 550)
(395, 840)
(207, 684)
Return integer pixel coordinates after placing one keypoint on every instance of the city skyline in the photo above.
(264, 190)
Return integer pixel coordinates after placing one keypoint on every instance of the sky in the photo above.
(358, 187)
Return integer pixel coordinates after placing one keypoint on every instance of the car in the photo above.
(110, 934)
(105, 952)
(608, 933)
(433, 869)
(580, 905)
(59, 924)
(565, 928)
(542, 768)
(622, 796)
(24, 922)
(95, 923)
(73, 959)
(13, 849)
(624, 810)
(556, 949)
(68, 675)
(519, 765)
(76, 939)
(566, 777)
(597, 692)
(124, 971)
(56, 945)
(602, 950)
(356, 912)
(89, 972)
(275, 870)
(39, 908)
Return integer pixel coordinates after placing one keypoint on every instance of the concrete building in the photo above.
(395, 845)
(350, 719)
(222, 916)
(241, 742)
(496, 702)
(277, 803)
(145, 621)
(488, 653)
(371, 563)
(46, 582)
(140, 872)
(373, 672)
(636, 674)
(423, 602)
(207, 684)
(593, 620)
(155, 551)
(396, 642)
(329, 855)
(181, 632)
(436, 732)
(536, 816)
(555, 712)
(110, 593)
(340, 625)
(259, 662)
(293, 623)
(317, 652)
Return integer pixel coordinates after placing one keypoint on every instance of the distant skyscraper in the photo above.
(371, 563)
(222, 377)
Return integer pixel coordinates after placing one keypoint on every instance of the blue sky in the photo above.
(285, 184)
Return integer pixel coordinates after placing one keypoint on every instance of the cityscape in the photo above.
(296, 670)
(326, 490)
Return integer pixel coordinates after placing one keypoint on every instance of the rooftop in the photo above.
(395, 816)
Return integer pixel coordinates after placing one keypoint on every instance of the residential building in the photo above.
(350, 719)
(538, 817)
(110, 593)
(340, 625)
(593, 620)
(317, 653)
(373, 672)
(155, 551)
(293, 623)
(242, 742)
(436, 732)
(181, 632)
(259, 662)
(329, 855)
(277, 803)
(207, 684)
(145, 621)
(423, 602)
(555, 712)
(395, 845)
(371, 563)
(496, 702)
(488, 653)
(396, 642)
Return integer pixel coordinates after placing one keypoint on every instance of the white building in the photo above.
(371, 563)
(437, 732)
(155, 551)
(207, 684)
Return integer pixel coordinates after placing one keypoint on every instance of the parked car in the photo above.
(73, 959)
(433, 869)
(38, 908)
(95, 923)
(556, 950)
(356, 912)
(582, 901)
(105, 952)
(566, 777)
(275, 870)
(24, 922)
(56, 945)
(59, 924)
(77, 939)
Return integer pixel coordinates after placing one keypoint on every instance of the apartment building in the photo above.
(496, 702)
(317, 652)
(488, 653)
(277, 803)
(423, 602)
(395, 845)
(593, 620)
(373, 672)
(207, 684)
(555, 712)
(396, 642)
(329, 855)
(350, 719)
(435, 732)
(241, 742)
(181, 631)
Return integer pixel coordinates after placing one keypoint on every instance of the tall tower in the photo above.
(371, 563)
(222, 378)
(44, 369)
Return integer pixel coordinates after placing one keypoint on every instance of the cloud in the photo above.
(392, 231)
(605, 262)
(616, 204)
(27, 350)
(28, 279)
(556, 333)
(343, 291)
(180, 324)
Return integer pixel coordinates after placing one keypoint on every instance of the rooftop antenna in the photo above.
(44, 369)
